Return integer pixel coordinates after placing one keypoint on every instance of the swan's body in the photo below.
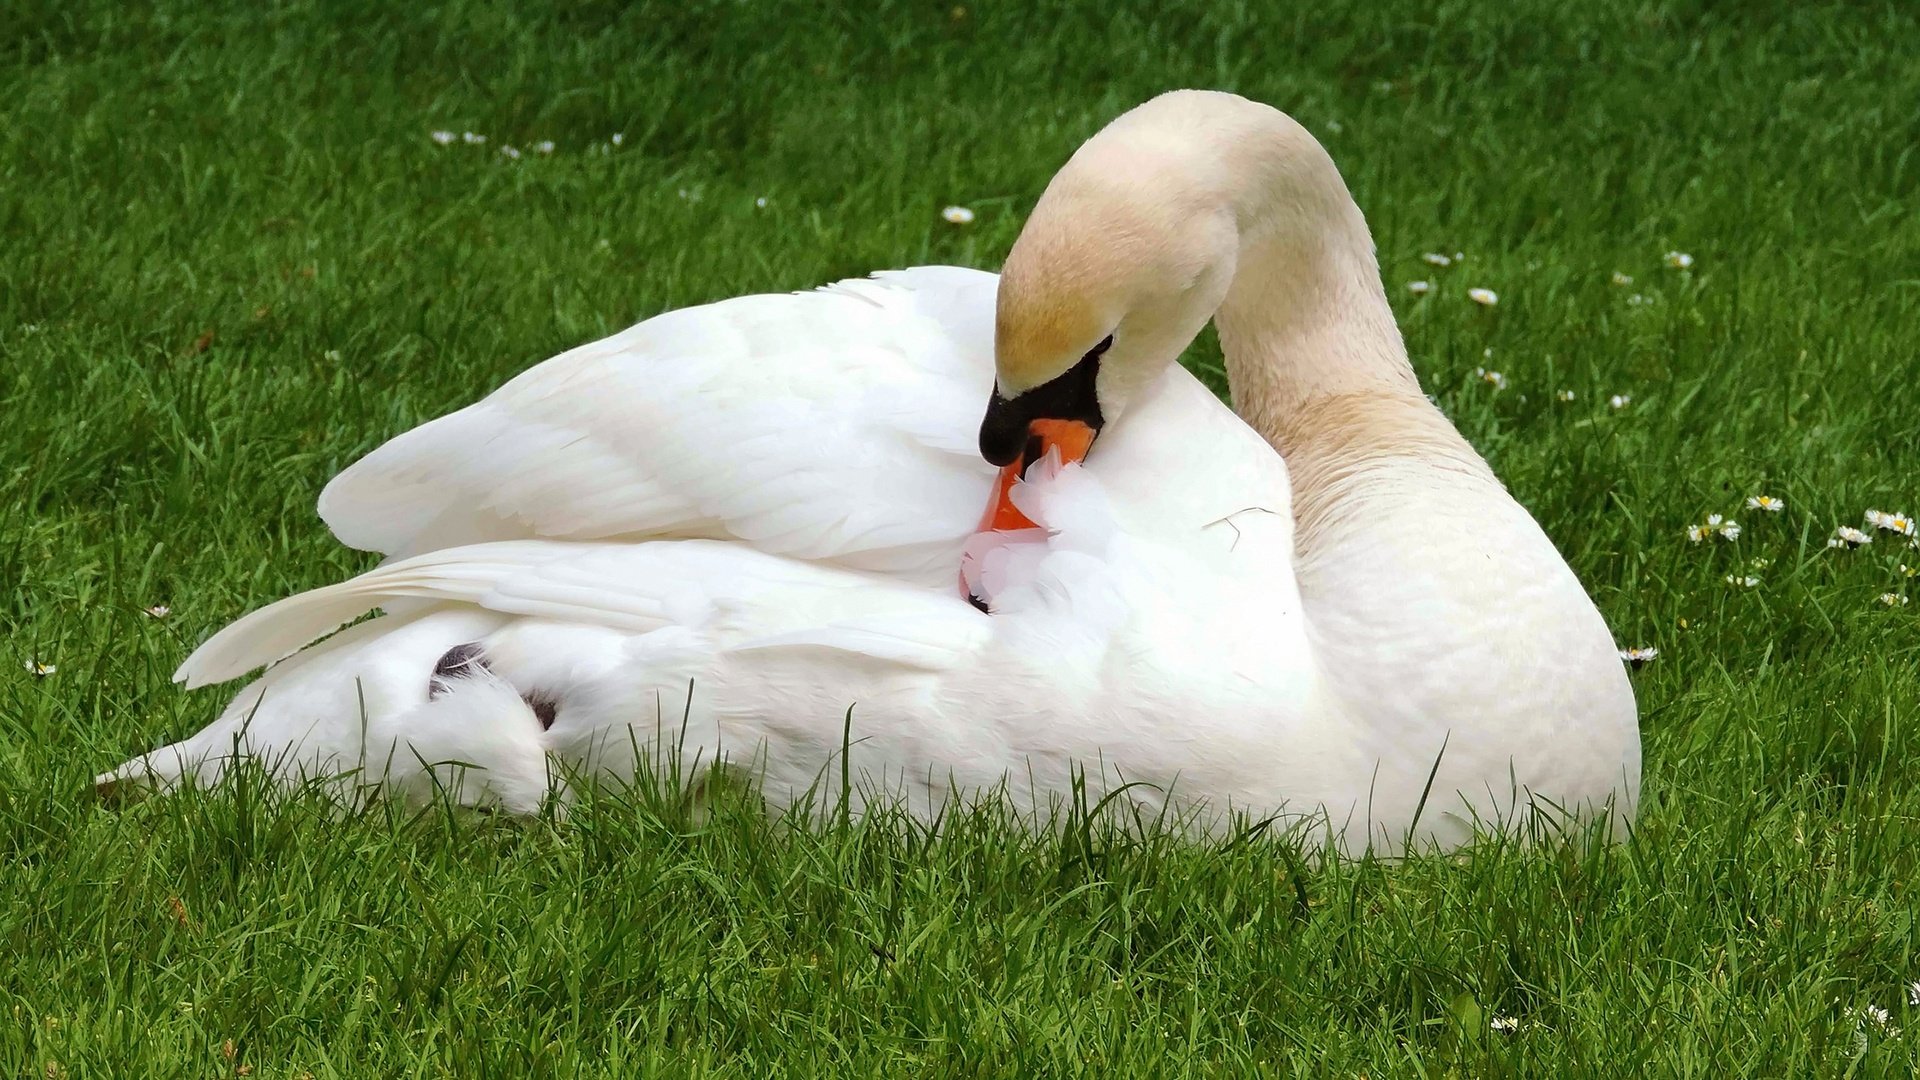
(1389, 645)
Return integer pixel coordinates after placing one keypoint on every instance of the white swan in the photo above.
(1390, 646)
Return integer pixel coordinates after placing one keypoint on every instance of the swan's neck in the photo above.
(1314, 357)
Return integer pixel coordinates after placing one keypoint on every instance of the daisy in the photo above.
(544, 146)
(1893, 523)
(1505, 1024)
(1909, 571)
(1766, 502)
(1747, 582)
(1679, 260)
(1434, 258)
(1622, 279)
(1697, 533)
(1419, 288)
(957, 215)
(1893, 599)
(444, 138)
(510, 153)
(1564, 395)
(1620, 401)
(1483, 297)
(1847, 536)
(39, 670)
(618, 138)
(472, 139)
(1491, 378)
(158, 611)
(1728, 530)
(1639, 656)
(760, 203)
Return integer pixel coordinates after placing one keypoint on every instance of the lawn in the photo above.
(234, 259)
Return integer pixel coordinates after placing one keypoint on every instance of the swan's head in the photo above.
(1128, 253)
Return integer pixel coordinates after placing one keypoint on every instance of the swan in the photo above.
(729, 536)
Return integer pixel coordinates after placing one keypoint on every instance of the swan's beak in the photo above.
(1070, 439)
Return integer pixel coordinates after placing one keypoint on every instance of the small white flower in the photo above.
(1564, 395)
(1847, 536)
(1639, 300)
(1697, 533)
(1877, 1017)
(1746, 582)
(1640, 655)
(1620, 401)
(1909, 571)
(39, 670)
(510, 153)
(1434, 258)
(760, 202)
(1766, 502)
(1491, 378)
(1506, 1024)
(1622, 279)
(471, 139)
(544, 146)
(1459, 256)
(618, 138)
(1419, 288)
(957, 215)
(444, 138)
(331, 356)
(1728, 530)
(1679, 260)
(158, 611)
(1483, 297)
(1893, 599)
(1893, 523)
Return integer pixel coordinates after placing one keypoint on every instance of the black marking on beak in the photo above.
(1003, 433)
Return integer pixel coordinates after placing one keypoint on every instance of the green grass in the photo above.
(233, 261)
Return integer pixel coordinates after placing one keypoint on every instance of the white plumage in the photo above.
(712, 535)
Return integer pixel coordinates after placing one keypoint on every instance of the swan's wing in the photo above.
(742, 598)
(833, 425)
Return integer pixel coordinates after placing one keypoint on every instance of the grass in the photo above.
(234, 261)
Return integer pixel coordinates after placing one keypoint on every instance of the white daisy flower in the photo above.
(1434, 258)
(1419, 288)
(39, 670)
(1620, 401)
(1697, 533)
(1640, 655)
(618, 138)
(158, 611)
(1459, 256)
(1679, 260)
(957, 215)
(1746, 582)
(1483, 297)
(1909, 571)
(1564, 395)
(1849, 537)
(544, 146)
(1491, 378)
(1506, 1024)
(472, 139)
(1766, 502)
(760, 203)
(1728, 530)
(510, 153)
(444, 138)
(1622, 279)
(1893, 599)
(1893, 523)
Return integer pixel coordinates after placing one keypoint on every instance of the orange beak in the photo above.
(1072, 438)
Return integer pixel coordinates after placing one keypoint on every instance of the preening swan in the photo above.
(1330, 610)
